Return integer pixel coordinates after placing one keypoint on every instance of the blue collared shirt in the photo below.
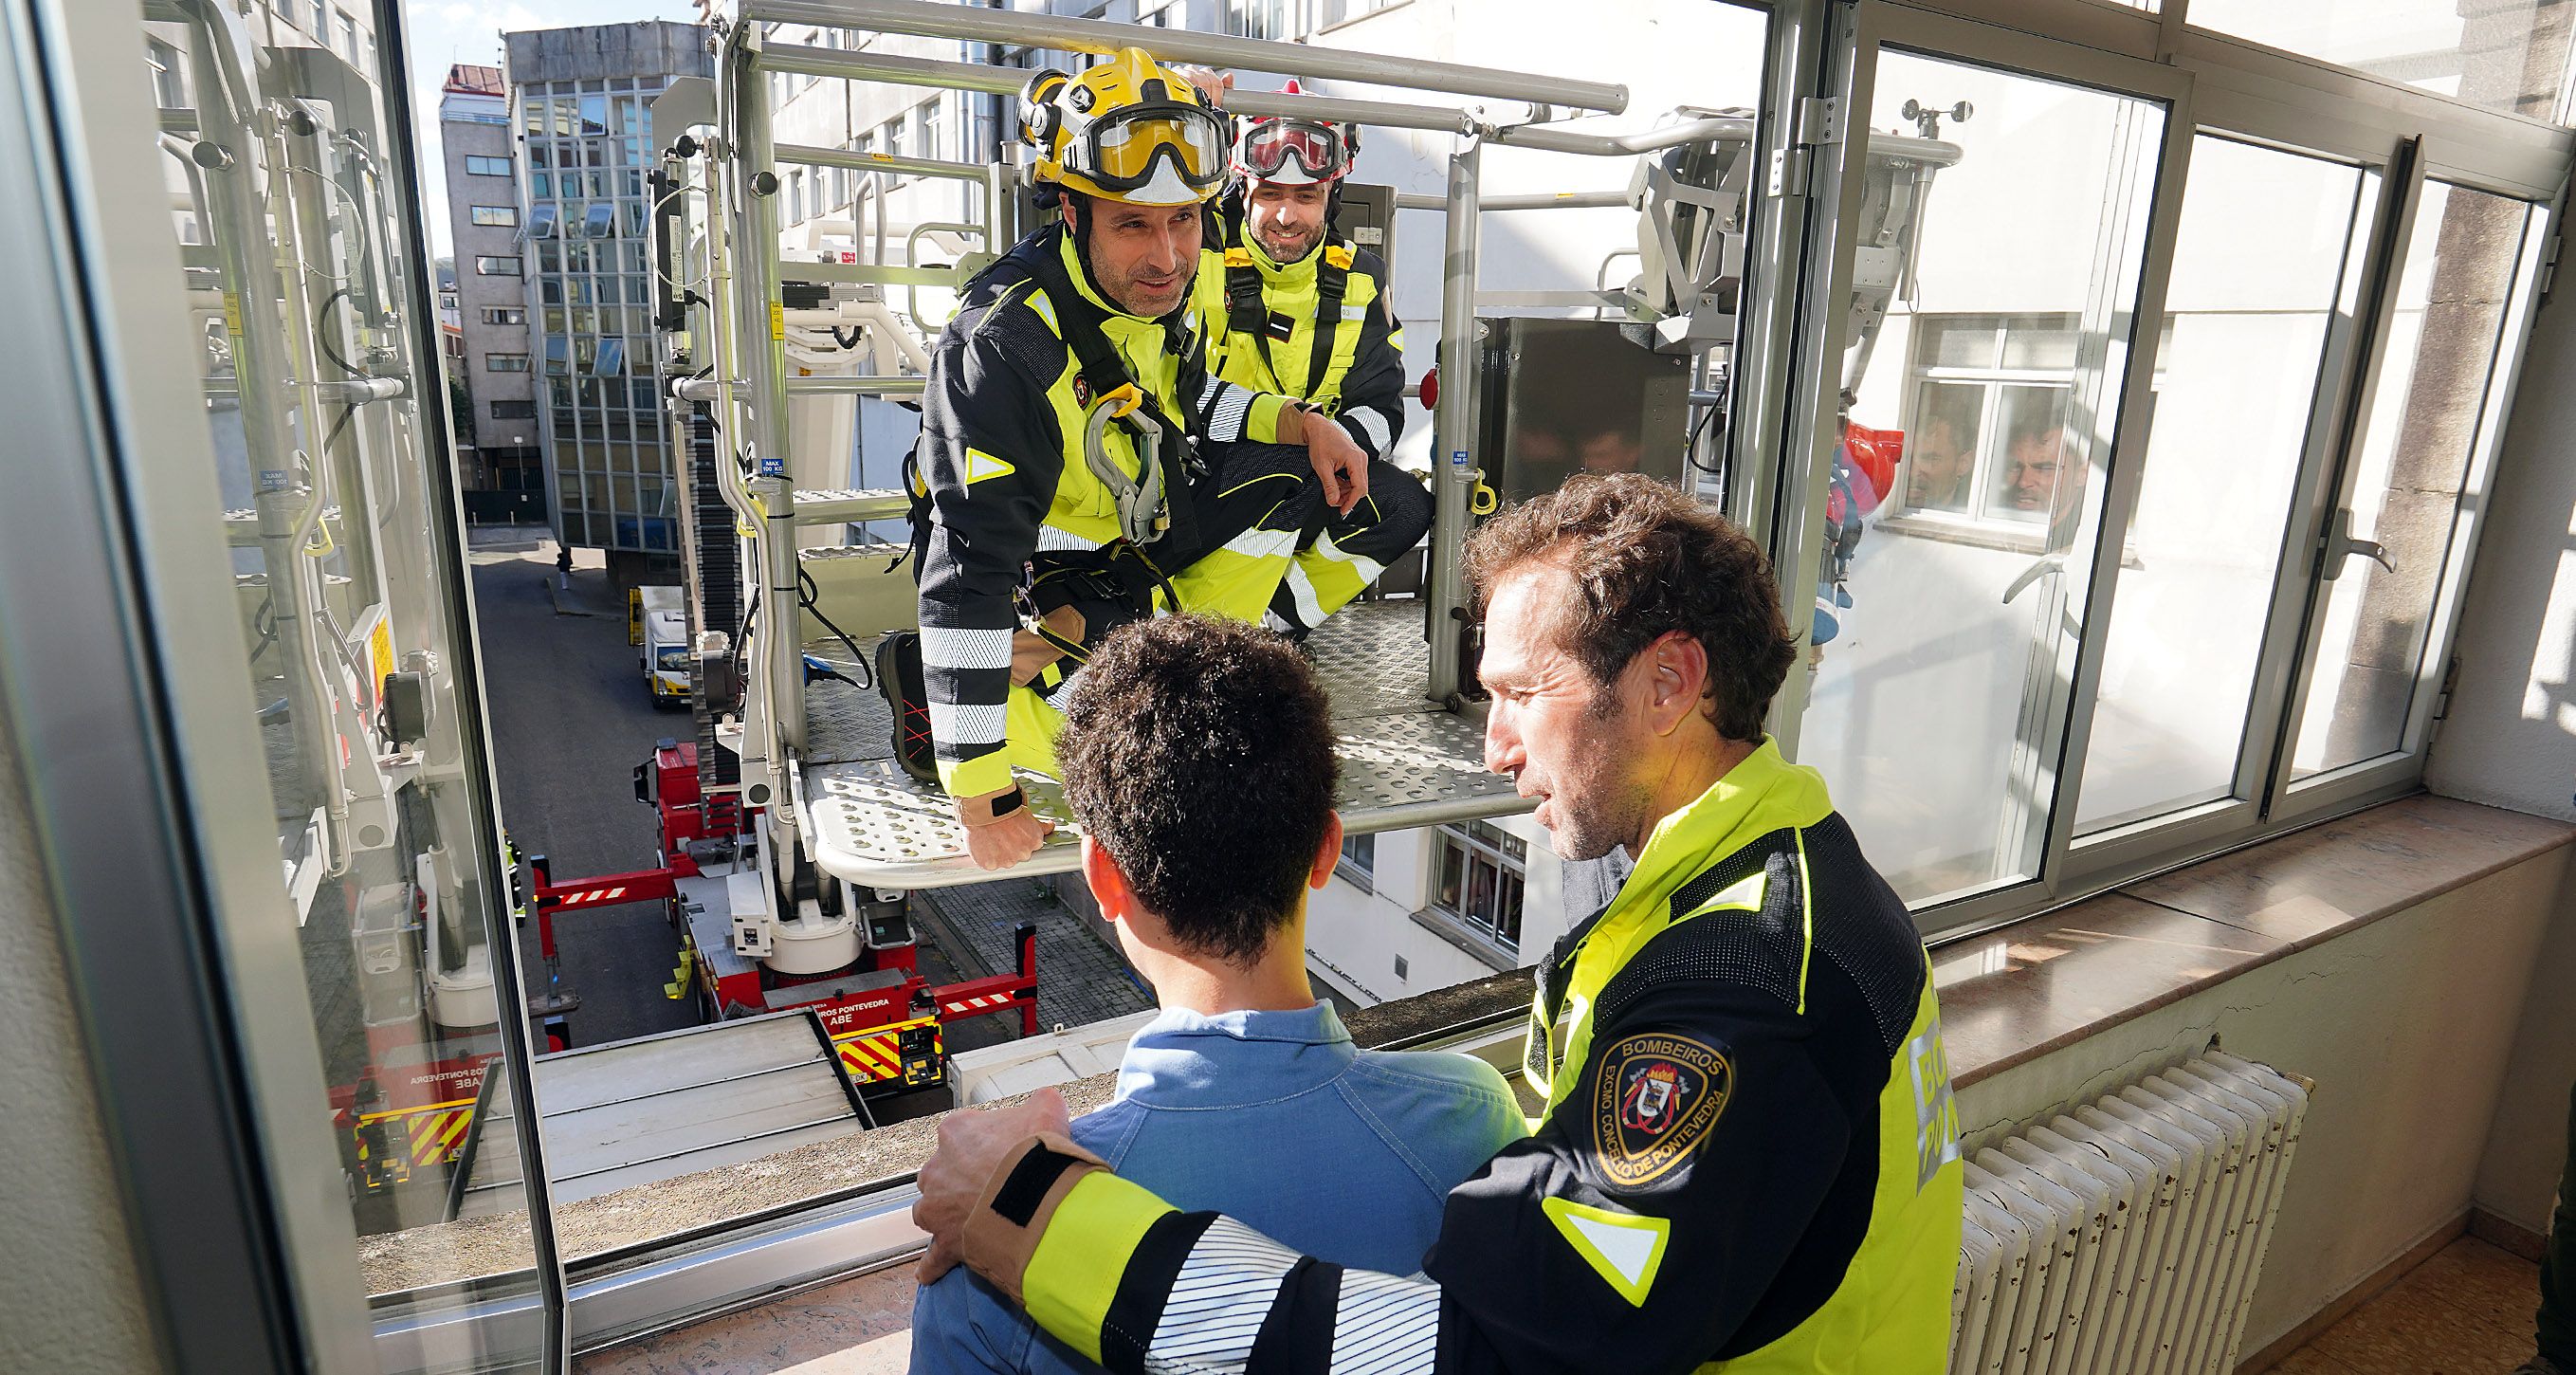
(1276, 1120)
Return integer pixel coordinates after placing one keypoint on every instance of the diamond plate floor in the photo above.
(1404, 762)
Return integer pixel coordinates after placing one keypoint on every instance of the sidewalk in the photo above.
(1080, 979)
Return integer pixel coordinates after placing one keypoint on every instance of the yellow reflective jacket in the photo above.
(1002, 458)
(1749, 1160)
(1280, 321)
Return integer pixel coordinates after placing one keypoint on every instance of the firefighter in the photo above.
(1079, 465)
(1306, 314)
(1749, 1160)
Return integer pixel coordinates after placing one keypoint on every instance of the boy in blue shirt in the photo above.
(1198, 755)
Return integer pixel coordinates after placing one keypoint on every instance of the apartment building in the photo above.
(577, 100)
(497, 450)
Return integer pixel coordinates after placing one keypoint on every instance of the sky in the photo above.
(446, 32)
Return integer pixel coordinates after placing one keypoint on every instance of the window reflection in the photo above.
(2259, 267)
(1944, 637)
(2428, 416)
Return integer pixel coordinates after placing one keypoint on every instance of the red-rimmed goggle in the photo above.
(1318, 150)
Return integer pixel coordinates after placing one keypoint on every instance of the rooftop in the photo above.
(465, 78)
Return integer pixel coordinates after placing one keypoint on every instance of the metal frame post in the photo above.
(1453, 481)
(759, 318)
(973, 24)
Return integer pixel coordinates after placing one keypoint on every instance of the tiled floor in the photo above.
(2467, 1311)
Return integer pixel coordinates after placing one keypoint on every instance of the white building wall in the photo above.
(1355, 934)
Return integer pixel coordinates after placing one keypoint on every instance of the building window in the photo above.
(514, 410)
(496, 267)
(1481, 868)
(349, 37)
(504, 315)
(321, 22)
(925, 130)
(1358, 864)
(167, 90)
(1987, 430)
(505, 362)
(496, 216)
(477, 165)
(1987, 443)
(558, 356)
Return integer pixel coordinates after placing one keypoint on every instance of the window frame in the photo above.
(479, 216)
(472, 171)
(1490, 851)
(2262, 96)
(2401, 134)
(518, 267)
(492, 361)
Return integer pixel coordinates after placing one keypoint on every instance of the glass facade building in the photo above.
(577, 106)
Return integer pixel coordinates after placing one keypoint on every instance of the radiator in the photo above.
(2125, 1237)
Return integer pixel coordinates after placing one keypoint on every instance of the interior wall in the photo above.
(2526, 1146)
(2406, 1025)
(2510, 737)
(83, 1308)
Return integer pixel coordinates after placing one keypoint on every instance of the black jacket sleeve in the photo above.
(991, 454)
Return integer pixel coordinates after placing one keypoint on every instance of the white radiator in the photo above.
(2125, 1238)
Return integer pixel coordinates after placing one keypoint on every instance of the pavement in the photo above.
(570, 719)
(1081, 979)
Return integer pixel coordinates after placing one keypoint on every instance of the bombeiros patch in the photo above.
(1657, 1099)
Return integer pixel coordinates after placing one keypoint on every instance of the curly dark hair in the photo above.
(1199, 753)
(1647, 559)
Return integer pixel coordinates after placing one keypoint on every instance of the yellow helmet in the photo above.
(1127, 129)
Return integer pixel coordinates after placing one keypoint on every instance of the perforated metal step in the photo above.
(1405, 762)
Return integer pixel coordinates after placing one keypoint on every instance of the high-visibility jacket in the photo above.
(1329, 307)
(1749, 1161)
(1009, 489)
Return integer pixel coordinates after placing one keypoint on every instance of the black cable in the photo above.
(347, 413)
(322, 335)
(1690, 446)
(809, 595)
(850, 342)
(750, 617)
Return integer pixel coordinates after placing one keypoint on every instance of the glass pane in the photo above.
(2259, 264)
(1936, 707)
(2506, 55)
(1941, 445)
(348, 596)
(1967, 342)
(2032, 478)
(2426, 418)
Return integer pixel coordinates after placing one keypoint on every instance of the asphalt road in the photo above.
(569, 721)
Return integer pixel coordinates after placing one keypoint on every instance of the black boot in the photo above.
(899, 677)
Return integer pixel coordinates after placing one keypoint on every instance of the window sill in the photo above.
(2008, 997)
(1474, 943)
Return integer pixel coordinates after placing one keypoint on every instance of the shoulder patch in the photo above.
(1657, 1098)
(1623, 1248)
(981, 465)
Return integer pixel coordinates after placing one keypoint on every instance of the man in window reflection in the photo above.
(1245, 1094)
(1939, 456)
(2042, 477)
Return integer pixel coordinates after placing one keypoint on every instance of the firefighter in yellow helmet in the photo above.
(1306, 313)
(1081, 465)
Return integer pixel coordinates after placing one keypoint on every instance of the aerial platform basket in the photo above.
(1405, 762)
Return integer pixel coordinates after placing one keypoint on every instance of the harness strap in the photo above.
(1332, 282)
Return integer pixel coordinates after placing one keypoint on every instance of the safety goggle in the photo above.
(1119, 150)
(1318, 149)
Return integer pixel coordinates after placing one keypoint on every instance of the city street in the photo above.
(569, 722)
